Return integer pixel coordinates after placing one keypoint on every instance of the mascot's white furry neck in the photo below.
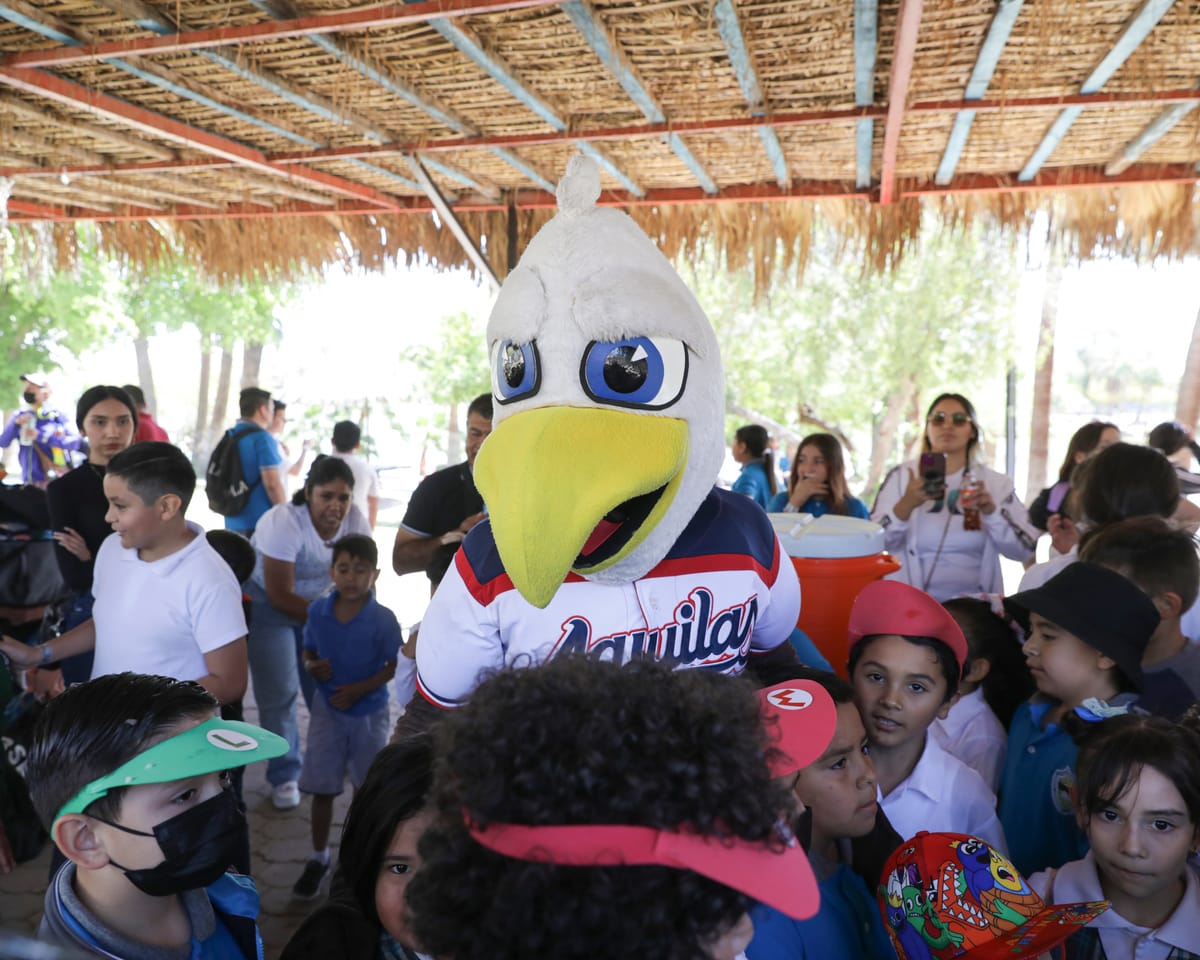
(609, 424)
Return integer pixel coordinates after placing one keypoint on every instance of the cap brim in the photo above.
(802, 719)
(1040, 933)
(206, 748)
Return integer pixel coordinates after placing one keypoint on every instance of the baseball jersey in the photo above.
(724, 590)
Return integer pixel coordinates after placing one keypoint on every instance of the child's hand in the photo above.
(346, 696)
(806, 488)
(319, 670)
(73, 543)
(1064, 535)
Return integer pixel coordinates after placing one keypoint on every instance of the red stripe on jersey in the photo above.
(486, 593)
(433, 697)
(715, 563)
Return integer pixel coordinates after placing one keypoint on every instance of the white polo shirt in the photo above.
(163, 617)
(972, 733)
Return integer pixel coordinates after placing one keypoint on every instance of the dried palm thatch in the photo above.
(284, 152)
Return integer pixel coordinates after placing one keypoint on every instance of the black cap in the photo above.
(1102, 608)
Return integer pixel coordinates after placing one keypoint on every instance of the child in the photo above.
(166, 603)
(588, 810)
(995, 681)
(128, 774)
(817, 482)
(1089, 628)
(752, 449)
(906, 660)
(1138, 798)
(350, 648)
(1162, 562)
(838, 787)
(944, 895)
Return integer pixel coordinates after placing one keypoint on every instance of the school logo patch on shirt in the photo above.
(1062, 790)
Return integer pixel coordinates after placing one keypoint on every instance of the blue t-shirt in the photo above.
(258, 450)
(847, 927)
(753, 483)
(355, 650)
(819, 506)
(1035, 793)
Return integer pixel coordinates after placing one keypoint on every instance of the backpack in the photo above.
(225, 479)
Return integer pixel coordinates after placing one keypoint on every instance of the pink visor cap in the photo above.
(892, 607)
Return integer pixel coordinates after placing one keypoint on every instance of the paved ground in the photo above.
(279, 843)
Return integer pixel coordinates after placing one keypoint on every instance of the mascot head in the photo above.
(608, 430)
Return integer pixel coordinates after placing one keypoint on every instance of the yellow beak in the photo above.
(549, 476)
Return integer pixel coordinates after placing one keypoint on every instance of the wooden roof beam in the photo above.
(609, 52)
(59, 90)
(94, 131)
(363, 18)
(908, 25)
(981, 75)
(866, 45)
(1136, 30)
(741, 59)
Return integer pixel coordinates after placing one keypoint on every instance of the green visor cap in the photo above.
(214, 745)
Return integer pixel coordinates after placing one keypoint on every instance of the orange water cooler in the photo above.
(835, 557)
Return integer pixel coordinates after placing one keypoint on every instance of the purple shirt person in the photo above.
(45, 435)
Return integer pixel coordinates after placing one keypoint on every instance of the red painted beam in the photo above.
(994, 105)
(365, 18)
(49, 86)
(1060, 178)
(908, 25)
(33, 211)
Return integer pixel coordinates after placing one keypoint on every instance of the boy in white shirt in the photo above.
(906, 660)
(166, 603)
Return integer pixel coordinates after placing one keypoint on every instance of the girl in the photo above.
(294, 544)
(995, 682)
(1086, 442)
(1175, 442)
(924, 526)
(1138, 797)
(751, 448)
(107, 418)
(817, 483)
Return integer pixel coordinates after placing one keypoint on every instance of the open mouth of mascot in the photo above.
(617, 528)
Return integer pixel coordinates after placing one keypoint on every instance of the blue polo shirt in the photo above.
(355, 650)
(258, 451)
(847, 927)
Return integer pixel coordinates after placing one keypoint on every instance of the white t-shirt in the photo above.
(944, 795)
(163, 617)
(286, 532)
(972, 733)
(366, 480)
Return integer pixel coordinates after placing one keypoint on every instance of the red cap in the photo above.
(892, 607)
(961, 890)
(780, 878)
(802, 718)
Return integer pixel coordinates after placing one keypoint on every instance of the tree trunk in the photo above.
(220, 408)
(200, 447)
(1187, 407)
(1043, 378)
(453, 437)
(252, 352)
(141, 347)
(883, 440)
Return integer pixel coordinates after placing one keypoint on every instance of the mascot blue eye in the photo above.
(645, 372)
(516, 370)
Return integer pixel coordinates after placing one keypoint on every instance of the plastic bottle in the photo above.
(971, 485)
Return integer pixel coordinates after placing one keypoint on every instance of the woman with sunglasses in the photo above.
(923, 518)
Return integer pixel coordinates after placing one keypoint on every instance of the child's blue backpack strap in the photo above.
(235, 901)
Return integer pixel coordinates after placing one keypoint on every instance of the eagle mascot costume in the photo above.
(605, 535)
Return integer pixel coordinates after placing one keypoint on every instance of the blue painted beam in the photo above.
(1155, 130)
(589, 26)
(1136, 30)
(742, 62)
(601, 158)
(866, 44)
(37, 26)
(981, 75)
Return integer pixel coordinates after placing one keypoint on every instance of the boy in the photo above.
(166, 603)
(1162, 563)
(1089, 628)
(838, 787)
(350, 648)
(906, 660)
(128, 772)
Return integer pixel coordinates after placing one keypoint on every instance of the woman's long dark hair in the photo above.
(323, 470)
(757, 442)
(1084, 440)
(1170, 437)
(835, 467)
(926, 446)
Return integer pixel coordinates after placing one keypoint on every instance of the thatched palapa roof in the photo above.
(284, 133)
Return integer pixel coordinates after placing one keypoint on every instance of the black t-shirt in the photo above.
(77, 500)
(440, 503)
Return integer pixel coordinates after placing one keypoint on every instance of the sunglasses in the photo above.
(958, 419)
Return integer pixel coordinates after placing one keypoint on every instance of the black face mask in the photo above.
(198, 846)
(29, 396)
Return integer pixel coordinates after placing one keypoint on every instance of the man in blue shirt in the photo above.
(261, 461)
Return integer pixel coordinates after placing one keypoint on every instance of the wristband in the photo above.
(47, 654)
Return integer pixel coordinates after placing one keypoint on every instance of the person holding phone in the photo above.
(920, 506)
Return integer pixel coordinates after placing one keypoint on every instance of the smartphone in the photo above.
(933, 473)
